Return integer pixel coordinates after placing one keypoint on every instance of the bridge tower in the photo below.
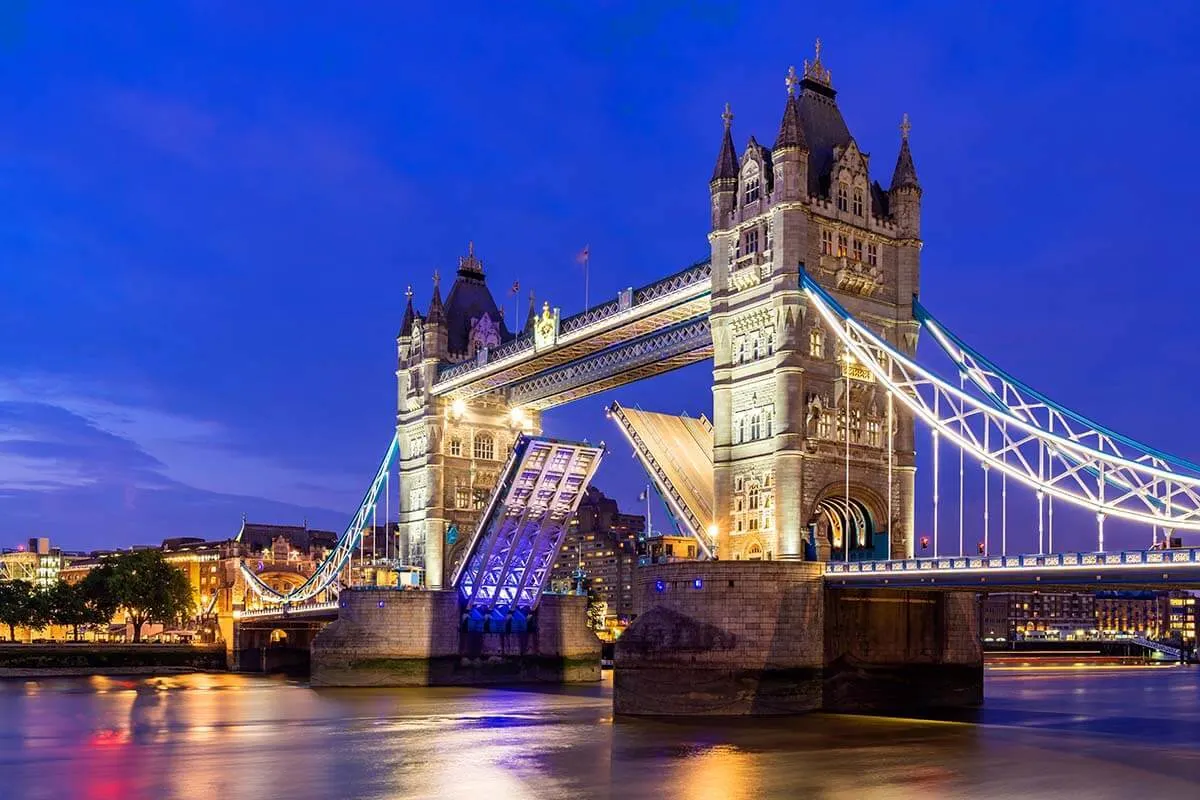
(780, 384)
(451, 449)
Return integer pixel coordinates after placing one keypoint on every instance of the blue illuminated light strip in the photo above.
(326, 573)
(880, 358)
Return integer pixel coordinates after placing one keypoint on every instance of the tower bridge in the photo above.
(800, 486)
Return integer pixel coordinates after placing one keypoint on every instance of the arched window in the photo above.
(741, 430)
(843, 193)
(770, 338)
(823, 426)
(755, 426)
(750, 183)
(816, 342)
(462, 495)
(754, 496)
(456, 446)
(485, 446)
(843, 245)
(858, 202)
(767, 422)
(755, 553)
(754, 352)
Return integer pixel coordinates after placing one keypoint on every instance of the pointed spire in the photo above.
(905, 174)
(791, 133)
(435, 305)
(531, 317)
(727, 162)
(409, 315)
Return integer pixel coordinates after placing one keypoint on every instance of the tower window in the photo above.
(456, 446)
(816, 343)
(479, 496)
(741, 350)
(873, 433)
(873, 254)
(843, 245)
(770, 338)
(858, 250)
(842, 197)
(770, 234)
(485, 446)
(753, 495)
(752, 186)
(751, 241)
(755, 427)
(767, 419)
(858, 202)
(462, 496)
(823, 426)
(827, 243)
(755, 349)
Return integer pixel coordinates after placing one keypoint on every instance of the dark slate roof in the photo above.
(435, 305)
(791, 128)
(255, 536)
(409, 315)
(880, 202)
(469, 299)
(824, 129)
(905, 173)
(727, 160)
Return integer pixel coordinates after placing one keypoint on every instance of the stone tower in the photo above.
(783, 392)
(451, 449)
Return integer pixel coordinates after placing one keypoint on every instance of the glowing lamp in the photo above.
(712, 531)
(924, 542)
(698, 584)
(660, 586)
(458, 407)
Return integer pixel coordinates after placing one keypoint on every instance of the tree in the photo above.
(98, 594)
(16, 605)
(69, 605)
(597, 609)
(150, 589)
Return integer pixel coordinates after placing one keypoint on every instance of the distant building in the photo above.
(1181, 616)
(1038, 615)
(600, 549)
(36, 562)
(1128, 613)
(664, 548)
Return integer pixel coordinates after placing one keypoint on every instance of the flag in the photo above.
(582, 258)
(516, 287)
(642, 496)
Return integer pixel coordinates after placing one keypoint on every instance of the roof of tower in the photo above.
(905, 173)
(821, 122)
(435, 305)
(409, 315)
(727, 160)
(531, 317)
(791, 129)
(470, 299)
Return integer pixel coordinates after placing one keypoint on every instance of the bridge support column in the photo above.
(415, 638)
(750, 638)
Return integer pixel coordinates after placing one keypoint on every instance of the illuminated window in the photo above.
(858, 251)
(843, 244)
(485, 446)
(858, 202)
(873, 254)
(456, 446)
(816, 343)
(873, 433)
(842, 194)
(462, 496)
(823, 426)
(827, 242)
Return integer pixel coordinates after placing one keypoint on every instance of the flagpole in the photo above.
(587, 257)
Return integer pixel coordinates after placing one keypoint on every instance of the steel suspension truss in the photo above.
(1030, 405)
(1079, 469)
(327, 573)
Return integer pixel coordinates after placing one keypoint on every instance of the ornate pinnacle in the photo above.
(727, 116)
(791, 80)
(816, 70)
(437, 279)
(408, 292)
(905, 127)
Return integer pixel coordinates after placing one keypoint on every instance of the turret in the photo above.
(789, 156)
(723, 185)
(904, 196)
(435, 323)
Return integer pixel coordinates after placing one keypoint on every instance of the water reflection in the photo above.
(1115, 732)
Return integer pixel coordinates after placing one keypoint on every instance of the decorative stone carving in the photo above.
(485, 333)
(545, 330)
(857, 277)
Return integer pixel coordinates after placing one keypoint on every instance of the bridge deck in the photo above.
(677, 453)
(1130, 568)
(522, 528)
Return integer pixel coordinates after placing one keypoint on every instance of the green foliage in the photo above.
(71, 605)
(597, 610)
(16, 605)
(149, 589)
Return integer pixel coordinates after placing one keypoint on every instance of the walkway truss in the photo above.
(1010, 428)
(521, 531)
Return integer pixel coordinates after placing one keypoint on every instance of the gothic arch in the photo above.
(867, 510)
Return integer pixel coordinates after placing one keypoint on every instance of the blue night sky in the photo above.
(211, 212)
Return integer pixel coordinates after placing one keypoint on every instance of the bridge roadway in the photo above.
(1128, 569)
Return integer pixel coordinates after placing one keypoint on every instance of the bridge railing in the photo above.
(1064, 561)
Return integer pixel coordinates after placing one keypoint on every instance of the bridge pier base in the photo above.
(767, 637)
(416, 638)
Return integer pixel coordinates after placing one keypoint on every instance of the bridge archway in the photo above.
(835, 517)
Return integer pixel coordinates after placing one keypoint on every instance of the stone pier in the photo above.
(767, 637)
(415, 638)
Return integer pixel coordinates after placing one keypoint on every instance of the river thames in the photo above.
(1097, 732)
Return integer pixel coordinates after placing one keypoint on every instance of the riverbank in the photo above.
(69, 660)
